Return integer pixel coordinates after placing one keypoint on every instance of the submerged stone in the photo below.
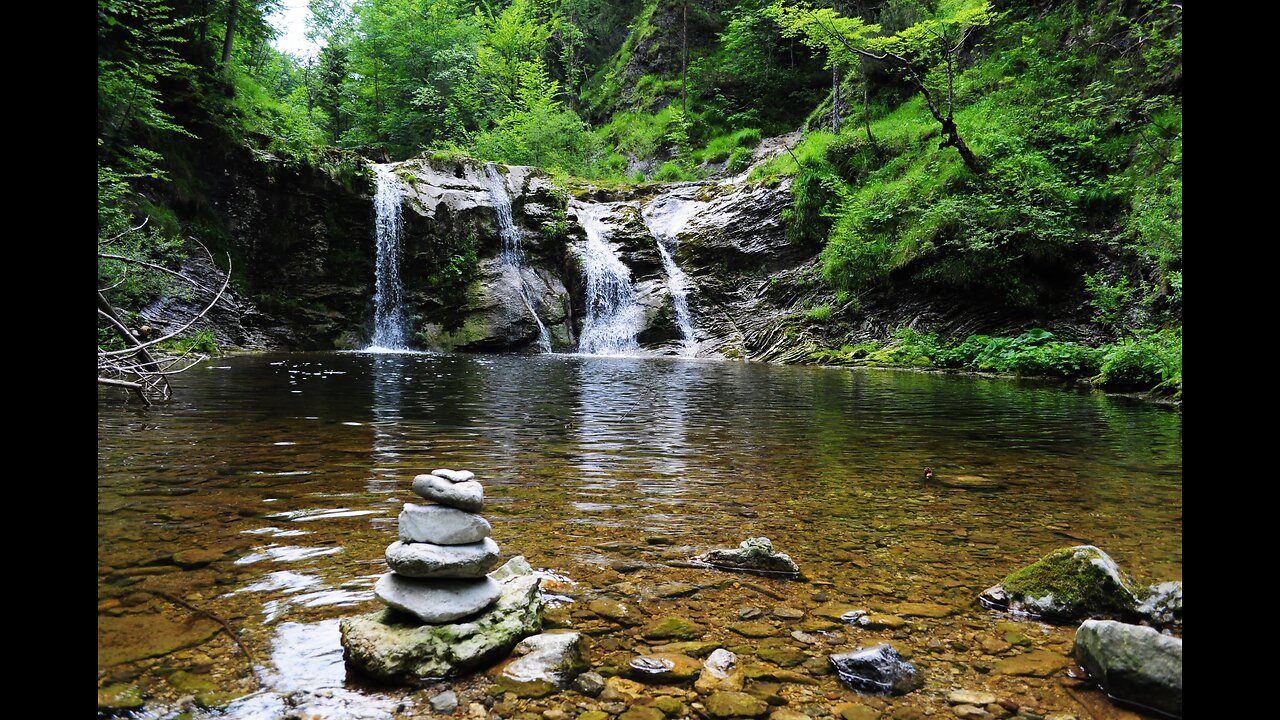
(754, 555)
(664, 668)
(547, 663)
(672, 628)
(1037, 663)
(441, 525)
(1162, 604)
(879, 669)
(1133, 663)
(428, 560)
(1066, 585)
(388, 646)
(729, 704)
(467, 495)
(436, 601)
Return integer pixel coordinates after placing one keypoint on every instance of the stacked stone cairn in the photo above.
(440, 564)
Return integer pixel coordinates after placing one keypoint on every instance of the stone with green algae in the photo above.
(1066, 585)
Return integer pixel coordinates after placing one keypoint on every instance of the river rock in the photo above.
(971, 697)
(441, 525)
(1037, 663)
(719, 672)
(1066, 585)
(672, 628)
(1133, 663)
(753, 555)
(387, 646)
(467, 495)
(547, 663)
(879, 669)
(1162, 604)
(590, 684)
(728, 704)
(444, 703)
(456, 476)
(427, 560)
(664, 668)
(436, 601)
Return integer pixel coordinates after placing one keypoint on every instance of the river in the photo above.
(263, 495)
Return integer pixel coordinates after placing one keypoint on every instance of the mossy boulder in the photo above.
(394, 647)
(1067, 585)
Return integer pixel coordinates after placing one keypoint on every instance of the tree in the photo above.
(918, 51)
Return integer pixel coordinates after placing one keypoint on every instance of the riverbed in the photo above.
(260, 500)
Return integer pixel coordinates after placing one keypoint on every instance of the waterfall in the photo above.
(613, 315)
(388, 313)
(512, 255)
(666, 217)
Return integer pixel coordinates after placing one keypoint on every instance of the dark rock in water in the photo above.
(426, 560)
(387, 646)
(589, 683)
(754, 555)
(1066, 585)
(467, 495)
(1133, 663)
(436, 601)
(877, 670)
(1162, 604)
(547, 663)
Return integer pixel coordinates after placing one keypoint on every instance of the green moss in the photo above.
(1071, 583)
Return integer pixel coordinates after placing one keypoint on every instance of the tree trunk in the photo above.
(866, 108)
(954, 140)
(233, 11)
(835, 99)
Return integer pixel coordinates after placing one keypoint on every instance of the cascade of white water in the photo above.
(666, 217)
(511, 252)
(612, 316)
(388, 316)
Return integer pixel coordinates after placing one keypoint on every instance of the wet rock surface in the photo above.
(753, 555)
(544, 664)
(1133, 663)
(388, 646)
(1066, 585)
(880, 669)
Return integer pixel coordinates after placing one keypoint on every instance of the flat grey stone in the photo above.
(441, 525)
(467, 495)
(454, 475)
(436, 601)
(428, 560)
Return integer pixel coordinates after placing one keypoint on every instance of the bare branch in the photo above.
(225, 282)
(126, 232)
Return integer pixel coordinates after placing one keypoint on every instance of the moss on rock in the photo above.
(1067, 585)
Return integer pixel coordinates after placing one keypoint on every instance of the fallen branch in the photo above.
(226, 627)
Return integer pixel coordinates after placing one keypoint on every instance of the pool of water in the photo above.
(261, 498)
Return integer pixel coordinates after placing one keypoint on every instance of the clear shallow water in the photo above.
(289, 470)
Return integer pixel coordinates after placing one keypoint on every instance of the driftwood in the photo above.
(135, 367)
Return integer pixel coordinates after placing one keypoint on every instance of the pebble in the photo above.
(446, 702)
(971, 697)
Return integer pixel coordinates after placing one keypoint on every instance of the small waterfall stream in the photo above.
(388, 314)
(613, 315)
(666, 217)
(512, 254)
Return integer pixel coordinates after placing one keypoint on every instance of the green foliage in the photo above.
(820, 314)
(453, 274)
(1151, 361)
(1108, 300)
(739, 160)
(201, 342)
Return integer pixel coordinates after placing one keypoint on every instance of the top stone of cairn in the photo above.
(454, 475)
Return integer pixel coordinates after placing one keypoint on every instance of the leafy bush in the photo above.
(739, 160)
(820, 314)
(1149, 361)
